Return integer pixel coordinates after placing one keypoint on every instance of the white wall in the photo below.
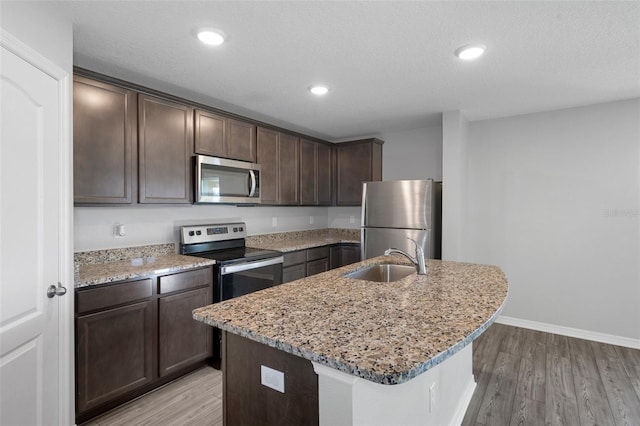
(554, 200)
(40, 26)
(412, 154)
(159, 224)
(454, 185)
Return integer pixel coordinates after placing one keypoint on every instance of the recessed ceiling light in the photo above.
(470, 51)
(211, 37)
(319, 89)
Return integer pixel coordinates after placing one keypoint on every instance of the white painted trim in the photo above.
(462, 407)
(66, 370)
(35, 58)
(570, 332)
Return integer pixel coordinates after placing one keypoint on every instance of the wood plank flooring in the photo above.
(193, 400)
(525, 377)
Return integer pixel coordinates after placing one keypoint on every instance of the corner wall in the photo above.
(553, 199)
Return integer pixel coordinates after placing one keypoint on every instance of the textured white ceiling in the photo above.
(390, 65)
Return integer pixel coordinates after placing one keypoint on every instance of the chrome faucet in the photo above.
(418, 261)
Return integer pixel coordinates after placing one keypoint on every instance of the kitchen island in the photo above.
(383, 352)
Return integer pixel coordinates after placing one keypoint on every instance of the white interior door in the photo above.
(29, 249)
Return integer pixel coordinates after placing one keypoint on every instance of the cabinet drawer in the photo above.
(294, 257)
(293, 273)
(185, 280)
(317, 266)
(317, 253)
(117, 294)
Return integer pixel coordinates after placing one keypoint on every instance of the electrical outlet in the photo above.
(271, 378)
(274, 222)
(352, 219)
(310, 220)
(432, 397)
(118, 230)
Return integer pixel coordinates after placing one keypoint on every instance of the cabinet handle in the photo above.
(56, 291)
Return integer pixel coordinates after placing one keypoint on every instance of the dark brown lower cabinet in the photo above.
(182, 340)
(115, 353)
(317, 266)
(344, 254)
(294, 272)
(134, 336)
(349, 253)
(248, 402)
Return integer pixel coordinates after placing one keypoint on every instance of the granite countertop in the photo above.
(105, 266)
(387, 333)
(300, 240)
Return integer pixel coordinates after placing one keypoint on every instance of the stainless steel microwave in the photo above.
(220, 180)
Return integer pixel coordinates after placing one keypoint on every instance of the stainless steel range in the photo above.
(239, 269)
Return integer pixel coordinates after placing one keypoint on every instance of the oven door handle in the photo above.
(225, 270)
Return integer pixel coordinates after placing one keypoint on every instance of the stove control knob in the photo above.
(241, 229)
(198, 232)
(191, 233)
(235, 229)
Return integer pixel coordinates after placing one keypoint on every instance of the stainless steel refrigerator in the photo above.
(396, 209)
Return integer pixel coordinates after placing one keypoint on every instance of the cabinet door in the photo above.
(165, 136)
(288, 181)
(295, 272)
(104, 132)
(209, 134)
(317, 266)
(353, 168)
(349, 254)
(334, 256)
(356, 162)
(115, 353)
(241, 140)
(267, 155)
(308, 173)
(324, 172)
(183, 340)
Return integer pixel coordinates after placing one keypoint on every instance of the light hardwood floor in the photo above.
(524, 377)
(193, 400)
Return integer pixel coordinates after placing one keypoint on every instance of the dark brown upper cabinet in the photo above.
(277, 154)
(315, 173)
(165, 135)
(104, 142)
(221, 136)
(356, 162)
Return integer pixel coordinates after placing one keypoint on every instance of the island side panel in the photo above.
(247, 401)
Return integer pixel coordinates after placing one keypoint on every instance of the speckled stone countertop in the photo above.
(300, 240)
(387, 333)
(105, 266)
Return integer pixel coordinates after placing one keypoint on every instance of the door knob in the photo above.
(56, 291)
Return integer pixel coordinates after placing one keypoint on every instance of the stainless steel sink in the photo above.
(384, 273)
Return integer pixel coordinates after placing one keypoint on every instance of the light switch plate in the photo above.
(271, 378)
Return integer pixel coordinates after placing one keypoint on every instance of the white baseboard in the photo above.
(570, 332)
(462, 407)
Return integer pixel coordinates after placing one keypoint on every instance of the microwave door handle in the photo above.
(252, 183)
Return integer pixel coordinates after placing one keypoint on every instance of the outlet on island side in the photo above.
(274, 222)
(432, 397)
(271, 378)
(352, 219)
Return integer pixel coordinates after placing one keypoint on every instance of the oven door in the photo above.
(246, 277)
